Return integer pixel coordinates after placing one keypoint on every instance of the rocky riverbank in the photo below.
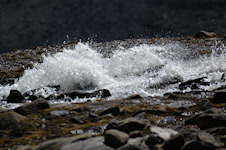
(177, 120)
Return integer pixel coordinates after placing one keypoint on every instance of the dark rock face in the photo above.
(32, 107)
(115, 138)
(15, 97)
(12, 120)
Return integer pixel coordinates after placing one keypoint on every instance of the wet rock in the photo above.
(58, 143)
(219, 96)
(194, 84)
(208, 140)
(223, 77)
(205, 104)
(115, 138)
(59, 112)
(93, 115)
(136, 96)
(152, 140)
(32, 107)
(135, 134)
(174, 143)
(193, 145)
(163, 133)
(205, 34)
(96, 143)
(80, 94)
(130, 124)
(2, 110)
(113, 110)
(134, 144)
(217, 131)
(6, 81)
(78, 119)
(15, 97)
(33, 97)
(12, 120)
(205, 121)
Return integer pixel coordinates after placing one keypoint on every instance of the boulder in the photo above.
(193, 145)
(32, 107)
(219, 96)
(208, 140)
(113, 110)
(94, 143)
(115, 138)
(205, 104)
(134, 144)
(163, 133)
(15, 97)
(2, 110)
(78, 119)
(135, 134)
(152, 140)
(103, 93)
(205, 121)
(12, 120)
(174, 143)
(205, 34)
(58, 143)
(130, 124)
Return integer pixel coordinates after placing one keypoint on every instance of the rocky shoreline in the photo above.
(179, 120)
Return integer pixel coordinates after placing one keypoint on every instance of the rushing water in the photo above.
(148, 70)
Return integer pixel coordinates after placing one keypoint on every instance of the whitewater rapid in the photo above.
(147, 70)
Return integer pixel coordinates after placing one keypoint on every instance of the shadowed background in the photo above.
(30, 23)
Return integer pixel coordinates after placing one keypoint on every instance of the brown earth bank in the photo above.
(30, 23)
(191, 120)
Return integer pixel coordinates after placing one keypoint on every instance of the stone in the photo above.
(32, 107)
(193, 145)
(136, 96)
(194, 84)
(217, 131)
(205, 104)
(2, 110)
(135, 134)
(33, 97)
(93, 115)
(205, 34)
(163, 133)
(115, 138)
(78, 119)
(208, 139)
(130, 124)
(77, 131)
(205, 121)
(134, 144)
(113, 110)
(12, 120)
(94, 143)
(59, 113)
(58, 143)
(223, 77)
(152, 140)
(15, 97)
(219, 97)
(175, 143)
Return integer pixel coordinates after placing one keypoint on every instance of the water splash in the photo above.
(147, 70)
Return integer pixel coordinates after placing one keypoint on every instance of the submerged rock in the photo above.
(193, 84)
(115, 138)
(32, 107)
(12, 120)
(81, 94)
(205, 34)
(15, 97)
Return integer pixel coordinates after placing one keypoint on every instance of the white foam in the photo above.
(136, 70)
